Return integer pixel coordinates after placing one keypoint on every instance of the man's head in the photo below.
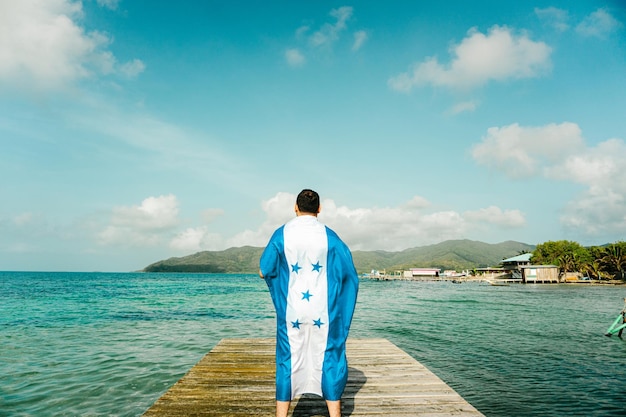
(308, 202)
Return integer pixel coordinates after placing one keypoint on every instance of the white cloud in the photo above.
(294, 57)
(415, 223)
(154, 213)
(302, 31)
(43, 46)
(554, 151)
(25, 226)
(279, 208)
(417, 202)
(496, 216)
(500, 55)
(324, 38)
(523, 151)
(411, 224)
(36, 232)
(466, 106)
(154, 224)
(109, 4)
(329, 33)
(146, 224)
(360, 36)
(558, 152)
(197, 239)
(600, 209)
(209, 215)
(391, 228)
(592, 166)
(552, 16)
(598, 24)
(132, 68)
(23, 219)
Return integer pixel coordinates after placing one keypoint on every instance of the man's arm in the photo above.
(268, 264)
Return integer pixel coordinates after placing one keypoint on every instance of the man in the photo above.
(314, 285)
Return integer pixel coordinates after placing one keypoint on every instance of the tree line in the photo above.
(598, 262)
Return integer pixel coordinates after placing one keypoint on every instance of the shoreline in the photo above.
(496, 281)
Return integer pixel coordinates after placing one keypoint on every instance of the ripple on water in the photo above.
(111, 344)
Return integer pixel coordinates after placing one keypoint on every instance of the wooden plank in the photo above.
(236, 378)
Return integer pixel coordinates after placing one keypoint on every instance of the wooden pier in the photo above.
(236, 378)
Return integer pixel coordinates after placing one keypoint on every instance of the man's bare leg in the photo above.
(282, 408)
(334, 408)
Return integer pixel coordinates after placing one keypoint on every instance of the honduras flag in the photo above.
(314, 285)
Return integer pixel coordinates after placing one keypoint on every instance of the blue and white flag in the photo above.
(314, 285)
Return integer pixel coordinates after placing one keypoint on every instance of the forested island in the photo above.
(604, 262)
(448, 255)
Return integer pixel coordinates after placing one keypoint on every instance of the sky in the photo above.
(135, 131)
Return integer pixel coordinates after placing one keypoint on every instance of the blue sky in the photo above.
(133, 131)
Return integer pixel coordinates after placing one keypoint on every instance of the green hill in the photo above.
(243, 260)
(451, 254)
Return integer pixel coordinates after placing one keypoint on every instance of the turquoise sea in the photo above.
(106, 344)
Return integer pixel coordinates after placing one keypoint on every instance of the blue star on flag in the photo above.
(317, 267)
(296, 324)
(295, 268)
(307, 295)
(318, 322)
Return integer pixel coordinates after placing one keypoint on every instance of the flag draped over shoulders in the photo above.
(313, 285)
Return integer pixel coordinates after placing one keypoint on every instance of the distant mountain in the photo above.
(452, 254)
(243, 260)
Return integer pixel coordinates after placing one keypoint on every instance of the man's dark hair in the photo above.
(308, 201)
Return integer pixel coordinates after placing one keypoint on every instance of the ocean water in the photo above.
(104, 344)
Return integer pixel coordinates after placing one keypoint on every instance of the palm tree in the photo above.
(568, 262)
(614, 260)
(593, 269)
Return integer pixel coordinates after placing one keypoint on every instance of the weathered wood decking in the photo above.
(236, 378)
